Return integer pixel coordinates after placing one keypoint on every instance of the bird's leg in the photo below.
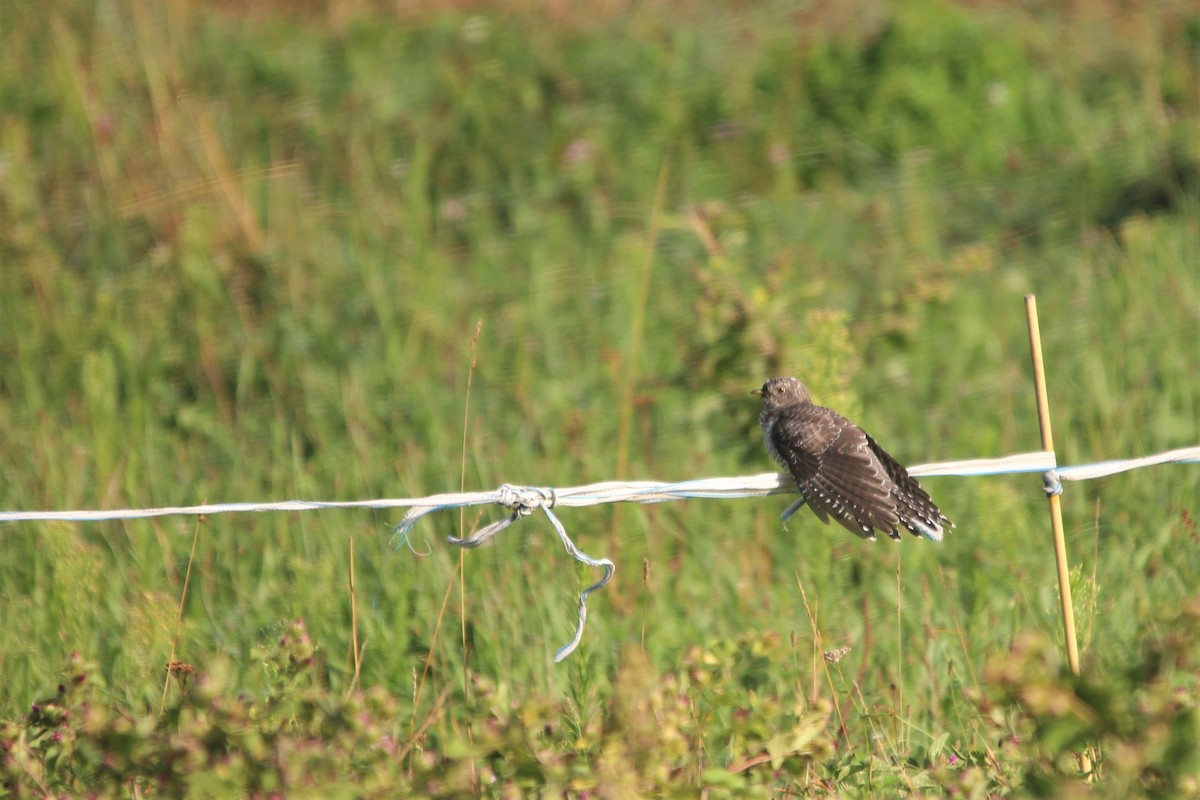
(792, 509)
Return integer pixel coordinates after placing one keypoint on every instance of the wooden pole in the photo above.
(1056, 523)
(354, 684)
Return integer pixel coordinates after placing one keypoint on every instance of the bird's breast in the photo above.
(767, 421)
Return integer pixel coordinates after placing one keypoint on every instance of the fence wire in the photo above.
(522, 501)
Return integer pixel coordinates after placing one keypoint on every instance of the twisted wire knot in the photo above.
(521, 501)
(524, 500)
(1052, 483)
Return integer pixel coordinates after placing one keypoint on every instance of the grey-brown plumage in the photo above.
(840, 470)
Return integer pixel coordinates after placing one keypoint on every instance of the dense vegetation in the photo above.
(243, 255)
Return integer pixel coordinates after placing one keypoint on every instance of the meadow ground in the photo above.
(243, 256)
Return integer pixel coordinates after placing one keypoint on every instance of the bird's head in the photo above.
(779, 392)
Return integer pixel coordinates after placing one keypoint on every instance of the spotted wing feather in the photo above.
(918, 513)
(836, 469)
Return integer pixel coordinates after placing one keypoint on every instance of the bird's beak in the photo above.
(756, 391)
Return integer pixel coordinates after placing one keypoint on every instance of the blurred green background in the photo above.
(244, 251)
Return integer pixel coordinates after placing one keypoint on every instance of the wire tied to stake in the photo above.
(1052, 483)
(523, 501)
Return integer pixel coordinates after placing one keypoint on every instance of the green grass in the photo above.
(243, 258)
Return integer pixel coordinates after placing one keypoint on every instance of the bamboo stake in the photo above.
(1056, 523)
(354, 684)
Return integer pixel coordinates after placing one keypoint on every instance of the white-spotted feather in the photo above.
(840, 470)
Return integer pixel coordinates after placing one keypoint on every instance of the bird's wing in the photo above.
(917, 510)
(836, 469)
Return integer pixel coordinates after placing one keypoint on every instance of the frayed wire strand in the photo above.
(523, 501)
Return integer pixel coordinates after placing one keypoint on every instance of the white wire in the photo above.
(760, 485)
(524, 500)
(1102, 469)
